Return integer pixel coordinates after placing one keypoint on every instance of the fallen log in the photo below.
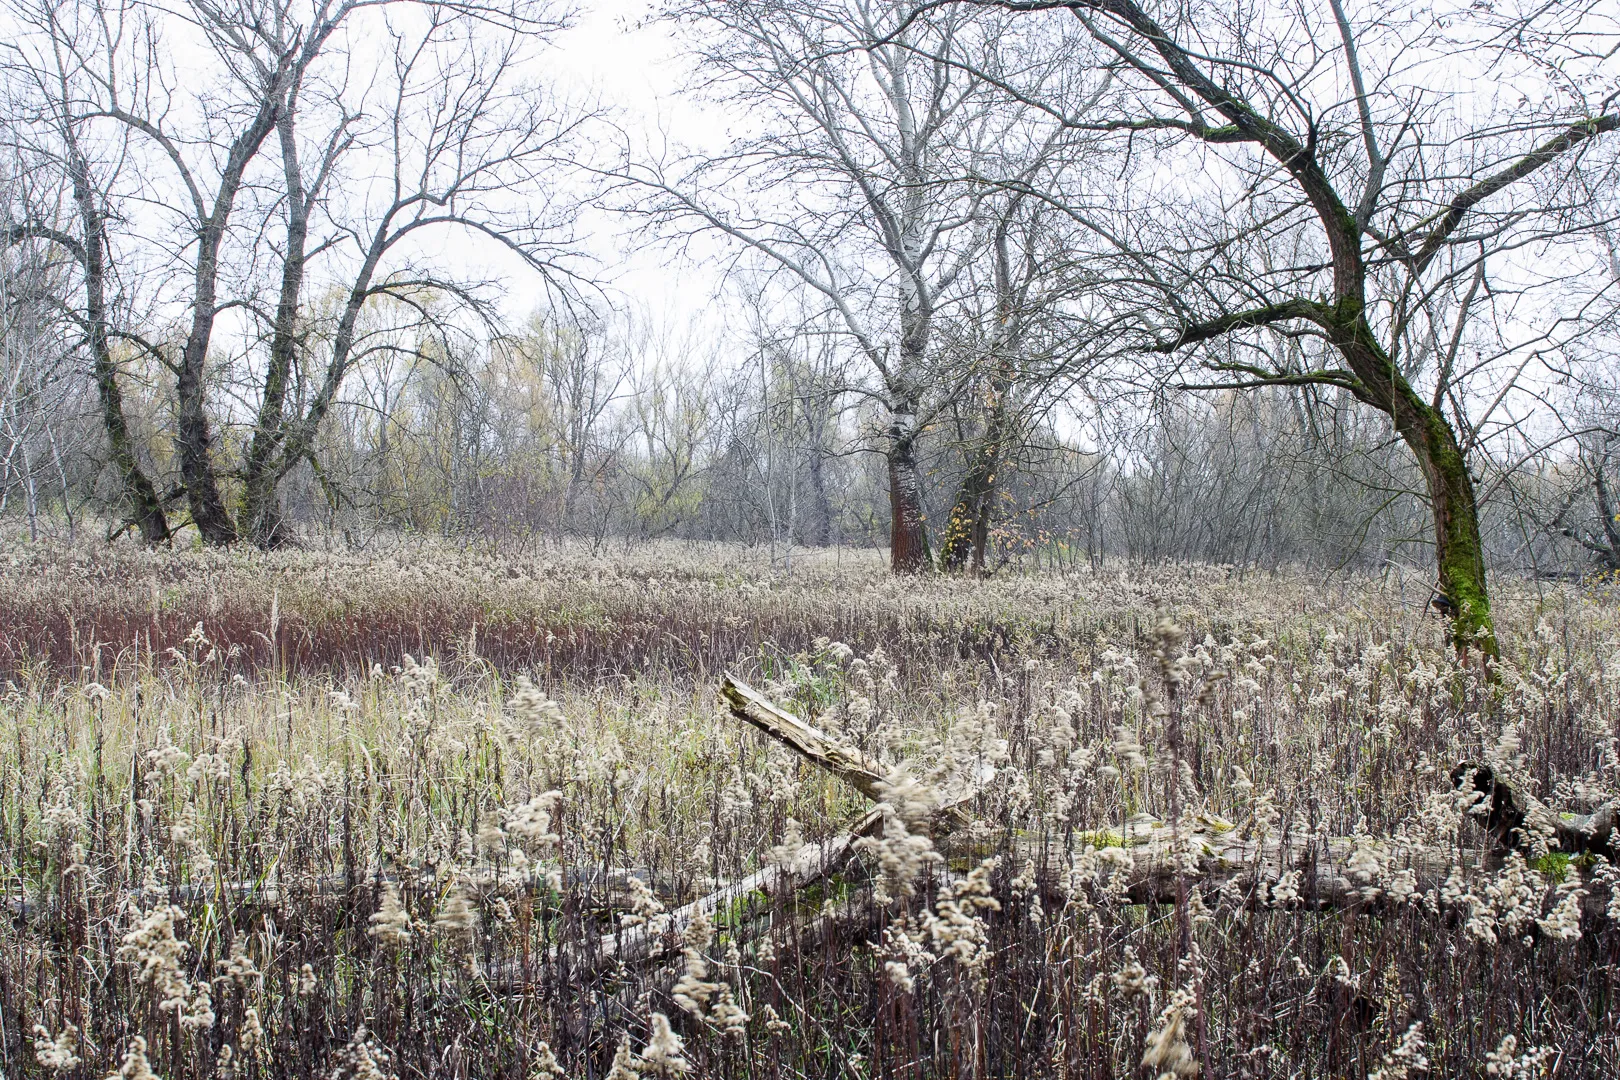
(814, 863)
(1312, 871)
(1157, 863)
(661, 936)
(1272, 870)
(1513, 819)
(847, 763)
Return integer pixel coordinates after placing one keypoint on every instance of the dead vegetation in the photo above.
(1097, 825)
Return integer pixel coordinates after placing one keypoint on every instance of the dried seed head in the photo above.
(391, 924)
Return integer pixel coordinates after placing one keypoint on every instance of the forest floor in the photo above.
(435, 811)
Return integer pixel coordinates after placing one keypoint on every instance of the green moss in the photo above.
(1554, 866)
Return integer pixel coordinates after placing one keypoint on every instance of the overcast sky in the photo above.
(633, 63)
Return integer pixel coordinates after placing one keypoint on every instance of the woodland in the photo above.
(956, 538)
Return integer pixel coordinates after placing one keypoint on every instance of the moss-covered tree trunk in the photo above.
(1459, 553)
(1460, 593)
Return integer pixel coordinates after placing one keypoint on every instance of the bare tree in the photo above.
(1357, 209)
(1017, 350)
(208, 141)
(51, 134)
(584, 371)
(425, 122)
(1599, 532)
(458, 130)
(867, 145)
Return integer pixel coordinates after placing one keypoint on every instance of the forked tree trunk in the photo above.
(262, 520)
(967, 534)
(193, 441)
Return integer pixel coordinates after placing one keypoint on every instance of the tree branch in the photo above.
(1571, 138)
(1309, 310)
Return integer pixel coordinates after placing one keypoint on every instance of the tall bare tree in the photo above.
(457, 131)
(1353, 207)
(50, 132)
(858, 183)
(1019, 348)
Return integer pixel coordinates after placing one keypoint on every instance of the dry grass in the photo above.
(284, 774)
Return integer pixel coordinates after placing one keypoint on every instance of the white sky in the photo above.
(618, 52)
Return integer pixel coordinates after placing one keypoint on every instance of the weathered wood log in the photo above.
(813, 863)
(1158, 864)
(848, 764)
(660, 936)
(1314, 871)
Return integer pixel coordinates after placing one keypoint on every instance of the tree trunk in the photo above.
(908, 528)
(1610, 554)
(140, 496)
(1461, 593)
(908, 531)
(261, 517)
(193, 441)
(968, 530)
(820, 531)
(967, 534)
(1458, 550)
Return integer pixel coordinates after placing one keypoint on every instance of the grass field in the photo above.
(401, 813)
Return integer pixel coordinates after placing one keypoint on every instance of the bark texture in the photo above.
(261, 517)
(140, 495)
(908, 530)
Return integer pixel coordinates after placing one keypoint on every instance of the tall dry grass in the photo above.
(243, 833)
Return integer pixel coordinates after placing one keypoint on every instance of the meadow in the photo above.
(434, 811)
